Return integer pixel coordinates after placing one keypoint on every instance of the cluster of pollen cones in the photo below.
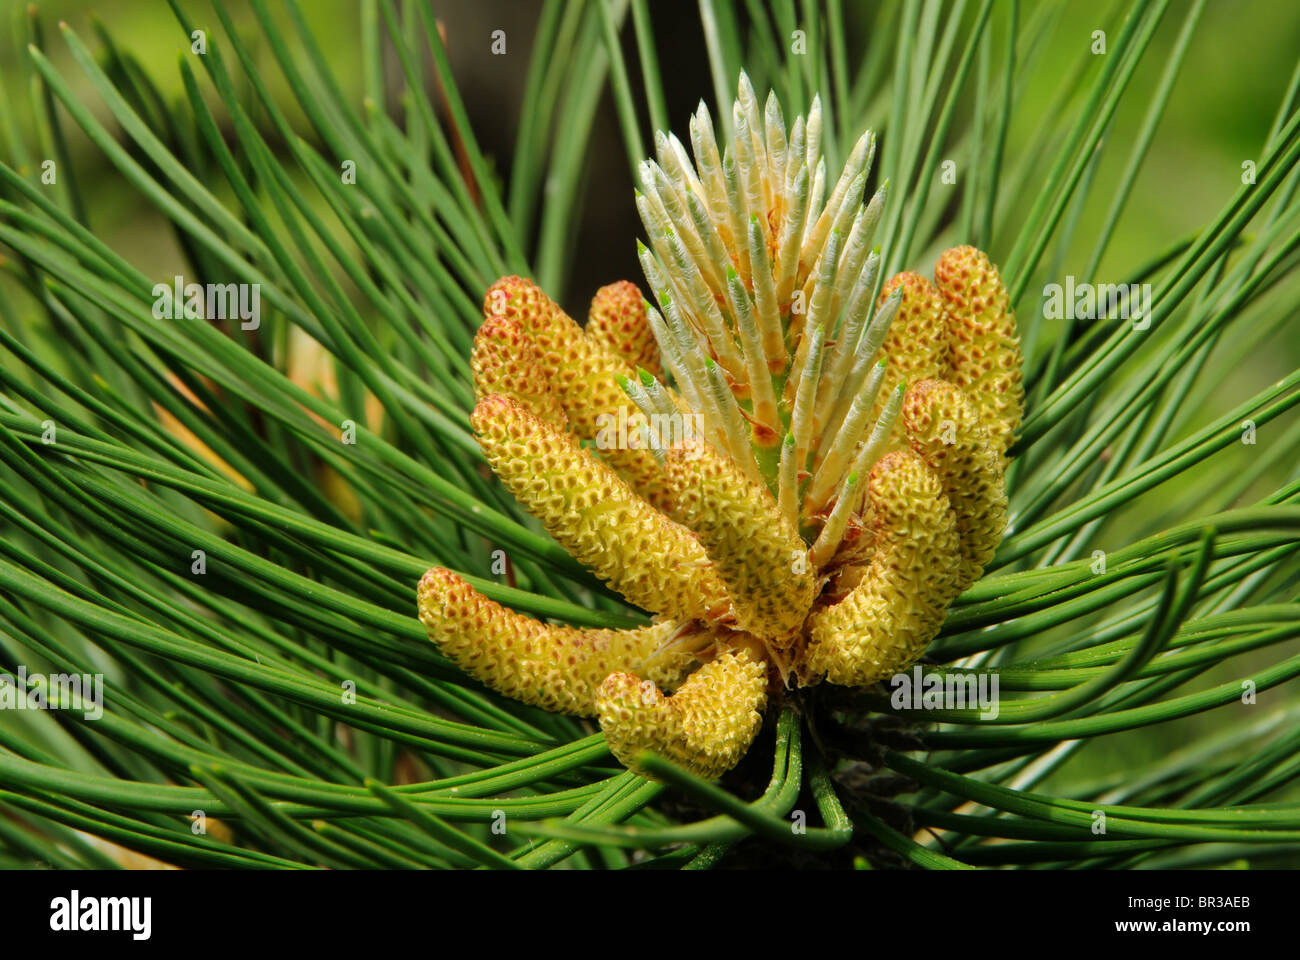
(796, 474)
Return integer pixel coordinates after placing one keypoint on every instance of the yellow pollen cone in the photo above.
(584, 375)
(984, 348)
(706, 726)
(755, 550)
(891, 616)
(617, 321)
(593, 513)
(945, 430)
(553, 667)
(916, 345)
(505, 361)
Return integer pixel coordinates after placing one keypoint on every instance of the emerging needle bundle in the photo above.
(823, 476)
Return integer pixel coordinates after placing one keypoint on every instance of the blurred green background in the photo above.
(1237, 68)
